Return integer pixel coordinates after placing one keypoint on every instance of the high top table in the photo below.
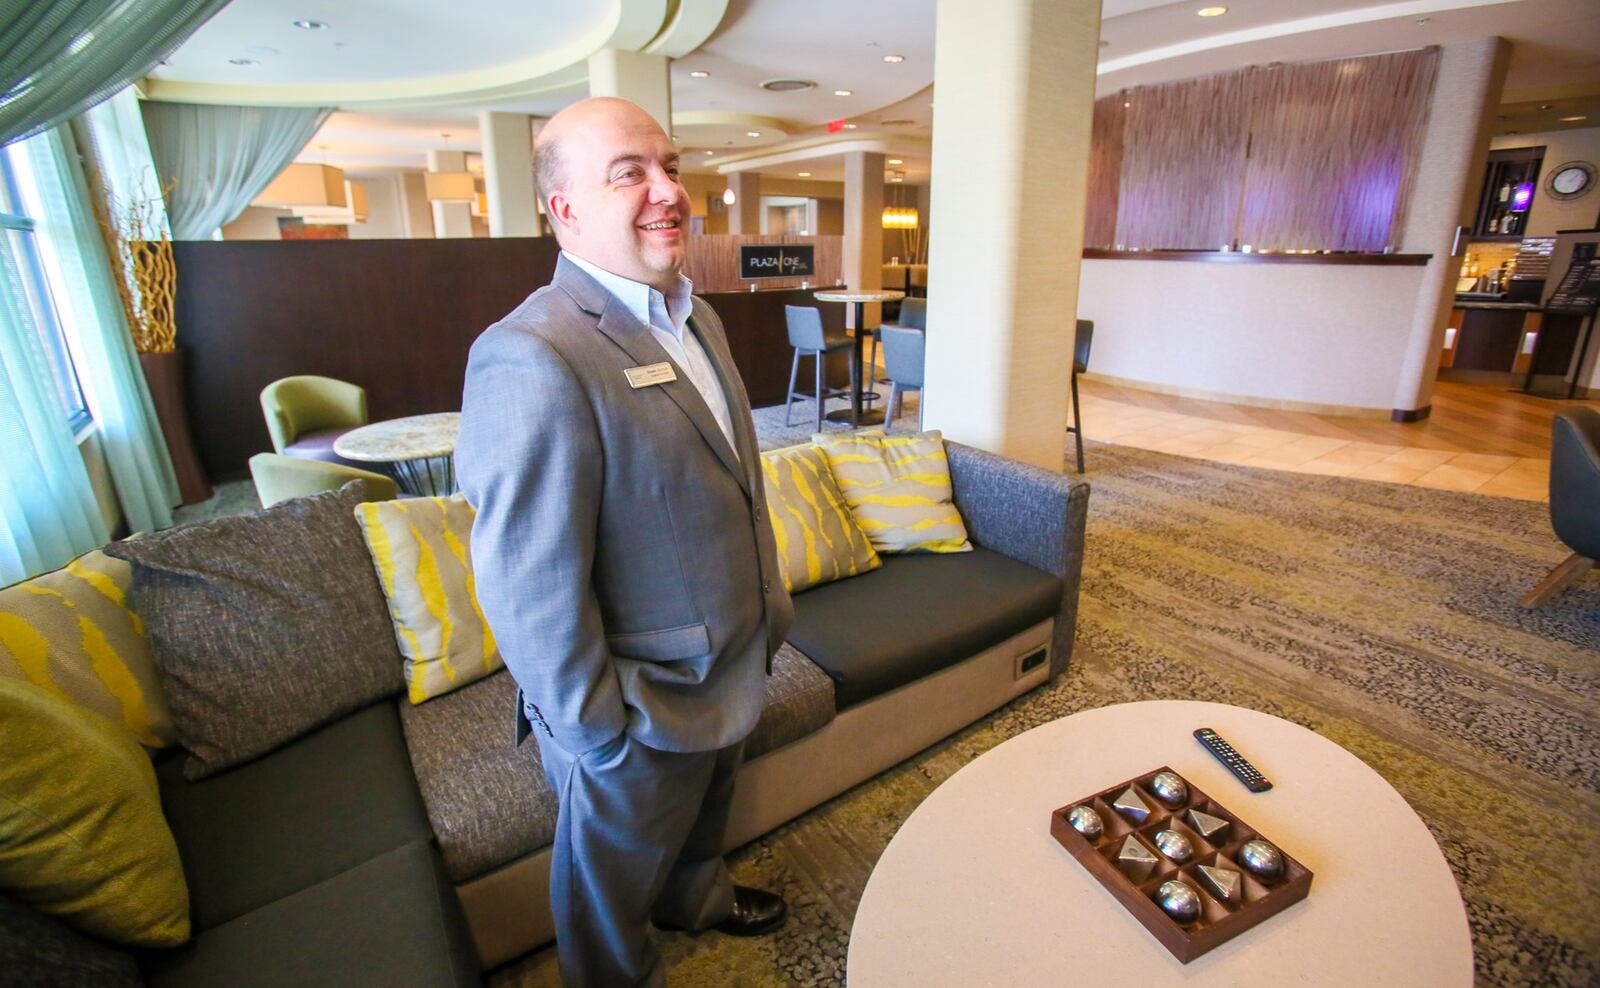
(856, 416)
(973, 890)
(417, 451)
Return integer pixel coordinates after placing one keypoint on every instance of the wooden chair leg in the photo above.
(788, 405)
(1563, 576)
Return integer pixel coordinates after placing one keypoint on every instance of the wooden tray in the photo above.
(1219, 921)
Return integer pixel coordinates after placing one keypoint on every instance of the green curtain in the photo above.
(221, 157)
(108, 367)
(63, 56)
(48, 512)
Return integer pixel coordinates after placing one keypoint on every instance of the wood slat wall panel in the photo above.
(1333, 147)
(1105, 172)
(1183, 153)
(713, 263)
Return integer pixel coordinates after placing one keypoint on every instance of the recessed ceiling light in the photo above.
(849, 126)
(752, 133)
(896, 161)
(843, 92)
(699, 74)
(803, 174)
(1212, 11)
(1582, 116)
(709, 153)
(243, 62)
(894, 59)
(306, 25)
(1547, 106)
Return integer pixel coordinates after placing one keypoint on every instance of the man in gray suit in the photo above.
(622, 552)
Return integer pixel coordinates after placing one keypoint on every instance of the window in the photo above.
(15, 186)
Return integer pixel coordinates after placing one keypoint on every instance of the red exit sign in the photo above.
(834, 126)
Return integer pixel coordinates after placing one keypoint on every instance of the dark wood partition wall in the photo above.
(394, 316)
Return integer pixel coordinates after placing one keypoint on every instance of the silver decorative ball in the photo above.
(1261, 859)
(1174, 845)
(1179, 901)
(1169, 788)
(1086, 822)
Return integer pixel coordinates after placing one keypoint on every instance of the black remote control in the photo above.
(1235, 762)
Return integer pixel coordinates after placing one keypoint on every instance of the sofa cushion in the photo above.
(798, 700)
(81, 832)
(898, 488)
(917, 615)
(40, 951)
(422, 550)
(318, 445)
(487, 799)
(393, 920)
(72, 632)
(817, 538)
(306, 812)
(263, 625)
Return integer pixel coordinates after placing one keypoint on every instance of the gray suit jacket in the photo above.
(622, 552)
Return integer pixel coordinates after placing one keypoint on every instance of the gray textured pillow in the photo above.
(263, 626)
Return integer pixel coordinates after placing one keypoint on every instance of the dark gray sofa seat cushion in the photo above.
(488, 800)
(40, 951)
(311, 810)
(393, 920)
(917, 614)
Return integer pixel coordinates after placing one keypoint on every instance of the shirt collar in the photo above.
(636, 296)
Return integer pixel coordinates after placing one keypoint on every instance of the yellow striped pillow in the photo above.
(898, 489)
(71, 633)
(422, 550)
(818, 541)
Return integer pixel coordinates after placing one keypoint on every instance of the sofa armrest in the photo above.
(1031, 515)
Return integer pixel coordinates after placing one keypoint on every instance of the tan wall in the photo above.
(1548, 215)
(830, 217)
(255, 223)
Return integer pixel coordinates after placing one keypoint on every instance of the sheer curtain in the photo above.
(47, 508)
(108, 367)
(64, 56)
(222, 157)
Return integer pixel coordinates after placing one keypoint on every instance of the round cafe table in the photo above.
(416, 451)
(974, 890)
(856, 416)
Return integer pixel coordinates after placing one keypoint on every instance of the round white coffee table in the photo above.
(415, 450)
(973, 890)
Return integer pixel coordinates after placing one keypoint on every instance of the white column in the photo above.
(450, 219)
(1444, 196)
(744, 216)
(416, 213)
(1010, 151)
(861, 264)
(644, 79)
(508, 173)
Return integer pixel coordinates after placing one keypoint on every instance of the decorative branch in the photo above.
(146, 276)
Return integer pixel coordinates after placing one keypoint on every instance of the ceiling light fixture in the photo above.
(896, 161)
(788, 85)
(1212, 11)
(305, 184)
(899, 218)
(752, 133)
(710, 153)
(728, 198)
(449, 186)
(699, 74)
(243, 63)
(1575, 119)
(849, 126)
(306, 25)
(894, 59)
(843, 92)
(803, 174)
(356, 212)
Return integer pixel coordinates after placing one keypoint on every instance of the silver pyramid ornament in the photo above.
(1175, 845)
(1179, 901)
(1207, 826)
(1223, 883)
(1169, 788)
(1135, 859)
(1086, 822)
(1131, 806)
(1261, 859)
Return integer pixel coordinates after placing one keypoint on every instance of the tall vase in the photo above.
(163, 372)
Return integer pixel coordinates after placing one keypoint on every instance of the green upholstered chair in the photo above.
(305, 414)
(279, 478)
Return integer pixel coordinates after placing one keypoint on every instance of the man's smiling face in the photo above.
(617, 202)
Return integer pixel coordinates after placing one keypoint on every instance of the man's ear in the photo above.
(559, 208)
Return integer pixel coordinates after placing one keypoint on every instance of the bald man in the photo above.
(622, 552)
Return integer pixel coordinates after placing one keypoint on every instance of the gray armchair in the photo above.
(1574, 499)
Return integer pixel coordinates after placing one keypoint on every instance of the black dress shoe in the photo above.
(755, 912)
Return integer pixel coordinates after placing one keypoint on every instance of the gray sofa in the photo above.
(410, 844)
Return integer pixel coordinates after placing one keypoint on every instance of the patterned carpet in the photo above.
(1382, 616)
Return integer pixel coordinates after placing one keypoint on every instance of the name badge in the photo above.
(644, 377)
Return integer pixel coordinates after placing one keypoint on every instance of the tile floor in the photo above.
(1185, 435)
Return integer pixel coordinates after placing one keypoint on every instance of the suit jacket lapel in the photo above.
(715, 344)
(634, 339)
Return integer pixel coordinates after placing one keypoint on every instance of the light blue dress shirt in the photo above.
(667, 317)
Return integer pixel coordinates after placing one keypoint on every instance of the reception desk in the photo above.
(1315, 332)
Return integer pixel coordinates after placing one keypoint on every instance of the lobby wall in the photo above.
(1548, 215)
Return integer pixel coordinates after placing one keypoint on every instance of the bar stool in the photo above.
(1080, 364)
(809, 339)
(904, 352)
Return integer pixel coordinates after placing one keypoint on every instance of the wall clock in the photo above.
(1570, 180)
